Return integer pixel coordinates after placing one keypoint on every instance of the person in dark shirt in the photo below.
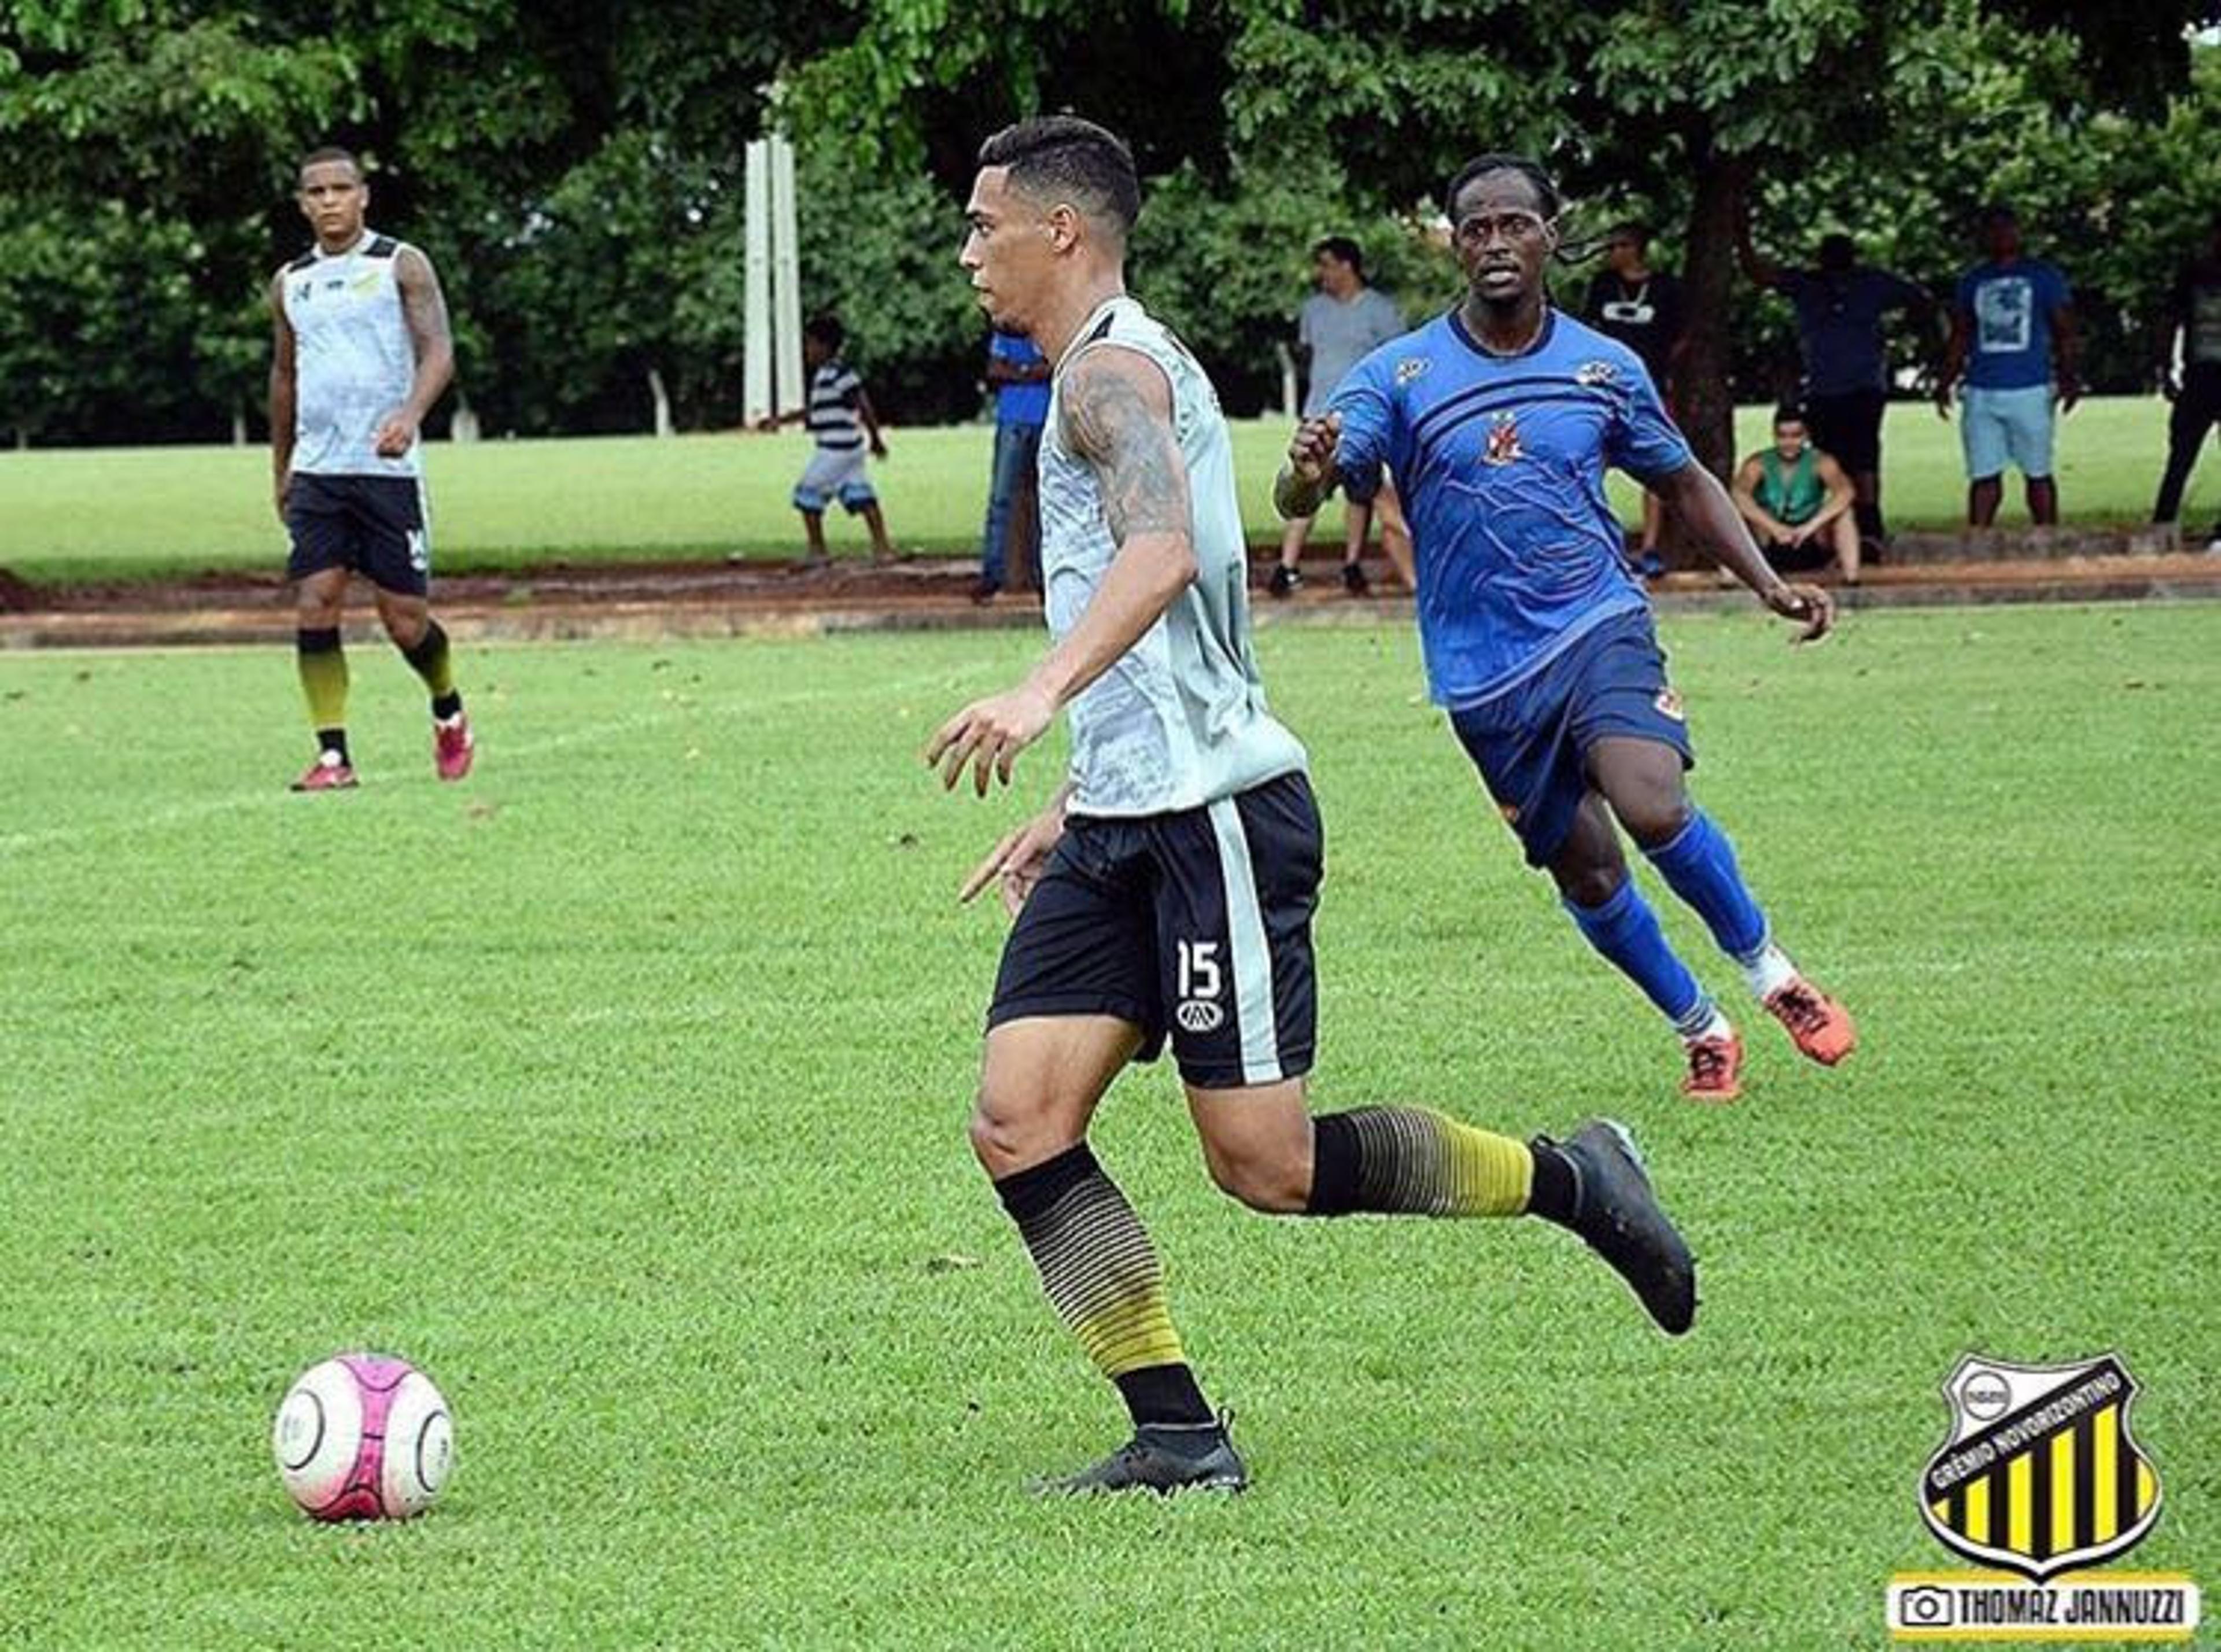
(1643, 308)
(2194, 310)
(1842, 307)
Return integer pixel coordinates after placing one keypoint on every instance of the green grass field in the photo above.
(623, 1088)
(109, 513)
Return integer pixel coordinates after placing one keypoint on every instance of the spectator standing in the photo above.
(1018, 373)
(1842, 308)
(1643, 309)
(2195, 313)
(837, 413)
(1340, 324)
(1799, 502)
(2013, 336)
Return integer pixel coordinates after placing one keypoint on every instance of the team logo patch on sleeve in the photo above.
(1669, 705)
(1409, 368)
(1595, 372)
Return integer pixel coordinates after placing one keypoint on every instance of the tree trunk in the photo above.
(238, 427)
(1704, 395)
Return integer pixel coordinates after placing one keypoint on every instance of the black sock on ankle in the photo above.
(1555, 1193)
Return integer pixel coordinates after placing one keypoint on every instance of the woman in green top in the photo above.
(1798, 501)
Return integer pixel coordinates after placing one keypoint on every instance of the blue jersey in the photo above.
(1500, 461)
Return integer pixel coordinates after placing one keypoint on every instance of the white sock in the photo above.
(1718, 1027)
(1769, 971)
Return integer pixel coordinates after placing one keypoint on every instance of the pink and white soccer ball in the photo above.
(363, 1437)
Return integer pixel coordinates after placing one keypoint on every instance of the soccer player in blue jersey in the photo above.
(1497, 421)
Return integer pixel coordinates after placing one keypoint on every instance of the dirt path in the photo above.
(663, 599)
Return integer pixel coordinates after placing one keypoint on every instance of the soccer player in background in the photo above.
(1167, 888)
(362, 353)
(838, 415)
(1497, 420)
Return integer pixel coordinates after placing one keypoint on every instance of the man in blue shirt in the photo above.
(1497, 421)
(1841, 306)
(1018, 374)
(2013, 335)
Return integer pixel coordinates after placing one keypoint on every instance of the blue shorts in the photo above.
(1531, 743)
(1997, 427)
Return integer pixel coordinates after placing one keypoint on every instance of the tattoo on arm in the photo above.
(421, 302)
(1126, 435)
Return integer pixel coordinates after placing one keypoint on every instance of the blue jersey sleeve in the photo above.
(1366, 402)
(1644, 442)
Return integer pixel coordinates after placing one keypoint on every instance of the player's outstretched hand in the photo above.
(989, 735)
(1943, 402)
(1310, 450)
(1808, 604)
(1018, 861)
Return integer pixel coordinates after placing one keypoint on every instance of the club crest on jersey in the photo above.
(2040, 1473)
(1669, 705)
(1410, 367)
(1502, 445)
(1595, 372)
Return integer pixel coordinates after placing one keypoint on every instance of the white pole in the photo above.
(756, 290)
(786, 280)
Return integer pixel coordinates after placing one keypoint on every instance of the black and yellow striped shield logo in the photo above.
(2039, 1474)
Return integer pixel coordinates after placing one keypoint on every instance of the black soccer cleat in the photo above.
(1353, 581)
(1617, 1214)
(1163, 1458)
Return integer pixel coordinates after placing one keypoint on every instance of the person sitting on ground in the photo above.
(1798, 501)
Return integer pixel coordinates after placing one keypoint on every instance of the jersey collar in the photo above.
(1542, 336)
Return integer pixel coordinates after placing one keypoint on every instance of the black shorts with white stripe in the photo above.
(1195, 925)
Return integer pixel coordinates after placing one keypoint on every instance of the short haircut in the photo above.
(331, 153)
(1790, 413)
(1546, 192)
(1343, 247)
(1838, 252)
(827, 330)
(1632, 229)
(1063, 157)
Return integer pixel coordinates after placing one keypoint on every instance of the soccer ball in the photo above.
(363, 1437)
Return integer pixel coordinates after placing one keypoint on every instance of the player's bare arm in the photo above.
(1115, 413)
(1954, 360)
(1841, 495)
(1695, 495)
(282, 386)
(2067, 356)
(424, 311)
(1310, 473)
(1746, 499)
(871, 423)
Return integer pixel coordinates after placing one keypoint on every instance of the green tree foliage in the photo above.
(575, 170)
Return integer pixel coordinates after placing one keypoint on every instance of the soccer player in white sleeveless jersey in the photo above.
(1167, 892)
(362, 353)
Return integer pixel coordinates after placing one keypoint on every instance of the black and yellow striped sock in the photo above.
(1412, 1161)
(430, 660)
(1104, 1278)
(324, 682)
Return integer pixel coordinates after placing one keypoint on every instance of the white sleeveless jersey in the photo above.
(354, 363)
(1179, 721)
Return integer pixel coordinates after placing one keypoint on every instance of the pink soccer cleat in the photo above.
(451, 746)
(326, 777)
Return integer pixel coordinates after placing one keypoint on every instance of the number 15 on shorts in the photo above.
(1200, 980)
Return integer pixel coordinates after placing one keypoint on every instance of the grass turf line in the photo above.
(623, 1088)
(138, 513)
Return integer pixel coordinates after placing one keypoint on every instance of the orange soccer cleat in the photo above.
(1715, 1068)
(1821, 1027)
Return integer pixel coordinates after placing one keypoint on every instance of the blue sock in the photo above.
(1625, 930)
(1698, 864)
